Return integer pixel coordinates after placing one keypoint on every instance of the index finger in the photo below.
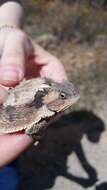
(51, 67)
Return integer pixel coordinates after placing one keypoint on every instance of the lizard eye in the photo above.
(62, 95)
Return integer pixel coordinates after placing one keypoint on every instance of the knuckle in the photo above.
(18, 34)
(21, 34)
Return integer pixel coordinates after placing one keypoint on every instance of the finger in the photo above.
(51, 66)
(11, 146)
(12, 63)
(41, 56)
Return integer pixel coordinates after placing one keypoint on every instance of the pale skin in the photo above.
(18, 54)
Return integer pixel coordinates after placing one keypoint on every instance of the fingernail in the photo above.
(23, 137)
(10, 76)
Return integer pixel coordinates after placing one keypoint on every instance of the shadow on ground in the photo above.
(42, 164)
(102, 186)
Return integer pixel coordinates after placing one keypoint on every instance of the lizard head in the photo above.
(60, 96)
(57, 96)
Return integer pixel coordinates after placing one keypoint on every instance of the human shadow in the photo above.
(49, 159)
(102, 186)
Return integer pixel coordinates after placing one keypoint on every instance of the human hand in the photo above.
(20, 58)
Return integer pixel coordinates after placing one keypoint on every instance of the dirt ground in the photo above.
(73, 154)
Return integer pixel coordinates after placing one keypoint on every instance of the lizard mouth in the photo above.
(59, 114)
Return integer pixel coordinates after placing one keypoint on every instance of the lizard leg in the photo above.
(36, 131)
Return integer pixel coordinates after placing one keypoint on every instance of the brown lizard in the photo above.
(33, 104)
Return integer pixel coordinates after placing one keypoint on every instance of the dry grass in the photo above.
(80, 21)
